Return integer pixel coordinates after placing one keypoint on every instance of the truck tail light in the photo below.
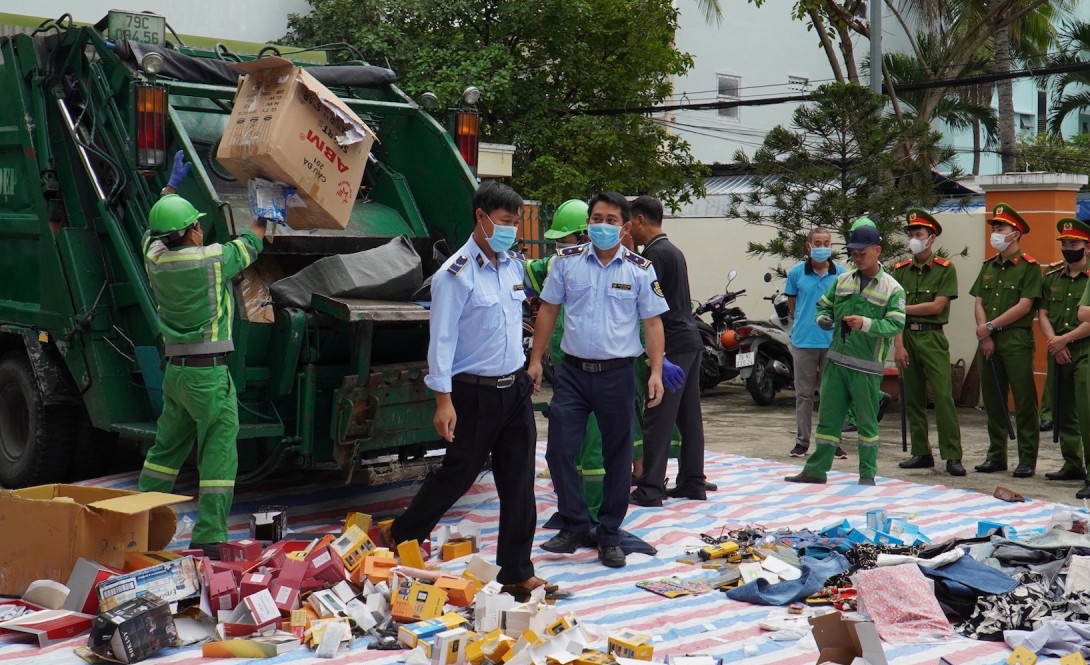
(151, 126)
(466, 136)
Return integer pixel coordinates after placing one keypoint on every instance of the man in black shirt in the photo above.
(684, 349)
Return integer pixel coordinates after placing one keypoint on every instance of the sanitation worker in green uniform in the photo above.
(1064, 285)
(192, 284)
(865, 309)
(1006, 291)
(922, 350)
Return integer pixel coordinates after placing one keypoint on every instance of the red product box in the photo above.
(241, 550)
(254, 582)
(293, 572)
(285, 597)
(327, 567)
(223, 592)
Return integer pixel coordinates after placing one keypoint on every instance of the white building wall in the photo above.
(244, 20)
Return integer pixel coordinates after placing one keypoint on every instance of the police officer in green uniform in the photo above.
(1064, 285)
(922, 351)
(865, 309)
(1006, 289)
(192, 285)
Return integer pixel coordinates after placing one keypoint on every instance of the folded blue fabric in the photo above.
(975, 575)
(814, 574)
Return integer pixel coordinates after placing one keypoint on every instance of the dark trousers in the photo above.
(611, 396)
(681, 408)
(496, 422)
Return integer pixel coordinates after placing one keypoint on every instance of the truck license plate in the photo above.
(745, 359)
(146, 28)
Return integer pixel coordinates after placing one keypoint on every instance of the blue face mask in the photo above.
(502, 237)
(820, 254)
(604, 236)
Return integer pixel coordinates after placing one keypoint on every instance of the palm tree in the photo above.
(967, 108)
(1075, 49)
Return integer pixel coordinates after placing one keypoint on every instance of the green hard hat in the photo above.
(570, 217)
(862, 221)
(172, 213)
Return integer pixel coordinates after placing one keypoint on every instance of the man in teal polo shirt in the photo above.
(806, 283)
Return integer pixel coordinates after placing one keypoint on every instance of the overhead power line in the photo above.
(902, 87)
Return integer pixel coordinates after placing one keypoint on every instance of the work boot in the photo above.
(710, 487)
(804, 478)
(566, 542)
(954, 467)
(990, 466)
(1024, 471)
(918, 462)
(866, 481)
(612, 556)
(1065, 473)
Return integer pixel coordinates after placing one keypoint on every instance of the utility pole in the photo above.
(876, 46)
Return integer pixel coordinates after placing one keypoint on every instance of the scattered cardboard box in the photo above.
(252, 614)
(258, 646)
(450, 647)
(841, 639)
(48, 626)
(246, 549)
(133, 631)
(172, 581)
(288, 127)
(352, 547)
(417, 601)
(90, 522)
(630, 644)
(1021, 656)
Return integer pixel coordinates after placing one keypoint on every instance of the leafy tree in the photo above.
(1076, 49)
(843, 157)
(1052, 154)
(539, 65)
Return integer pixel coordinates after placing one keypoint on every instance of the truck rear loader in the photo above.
(88, 126)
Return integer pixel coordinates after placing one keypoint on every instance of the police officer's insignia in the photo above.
(1067, 226)
(657, 288)
(571, 251)
(912, 216)
(520, 287)
(900, 303)
(480, 261)
(623, 287)
(458, 264)
(640, 261)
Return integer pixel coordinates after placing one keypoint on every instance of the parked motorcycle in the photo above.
(720, 343)
(764, 354)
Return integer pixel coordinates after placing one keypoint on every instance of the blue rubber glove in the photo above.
(673, 377)
(179, 171)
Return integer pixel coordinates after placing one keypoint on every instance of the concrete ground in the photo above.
(734, 424)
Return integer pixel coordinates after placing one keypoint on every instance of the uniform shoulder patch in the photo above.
(942, 262)
(571, 251)
(458, 264)
(640, 261)
(991, 258)
(657, 288)
(1029, 259)
(902, 264)
(1055, 268)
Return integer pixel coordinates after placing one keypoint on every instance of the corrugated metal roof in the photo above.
(726, 185)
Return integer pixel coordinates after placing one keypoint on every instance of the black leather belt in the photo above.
(596, 366)
(500, 382)
(920, 327)
(204, 360)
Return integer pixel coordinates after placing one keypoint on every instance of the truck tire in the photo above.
(35, 439)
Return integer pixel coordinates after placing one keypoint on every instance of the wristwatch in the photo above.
(989, 326)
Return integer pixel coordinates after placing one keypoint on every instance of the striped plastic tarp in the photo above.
(751, 492)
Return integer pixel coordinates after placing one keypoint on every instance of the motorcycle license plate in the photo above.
(745, 359)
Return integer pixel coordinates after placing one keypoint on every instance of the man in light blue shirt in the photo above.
(606, 290)
(806, 283)
(482, 396)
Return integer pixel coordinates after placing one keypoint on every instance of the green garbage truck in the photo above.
(89, 121)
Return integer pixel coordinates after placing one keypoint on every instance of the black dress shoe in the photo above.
(1024, 471)
(1065, 474)
(687, 492)
(990, 466)
(954, 467)
(863, 480)
(612, 556)
(1046, 425)
(710, 487)
(918, 462)
(804, 478)
(1084, 493)
(637, 499)
(566, 542)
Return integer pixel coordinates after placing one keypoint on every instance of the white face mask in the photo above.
(917, 245)
(999, 241)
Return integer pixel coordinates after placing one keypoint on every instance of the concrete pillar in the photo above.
(1042, 199)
